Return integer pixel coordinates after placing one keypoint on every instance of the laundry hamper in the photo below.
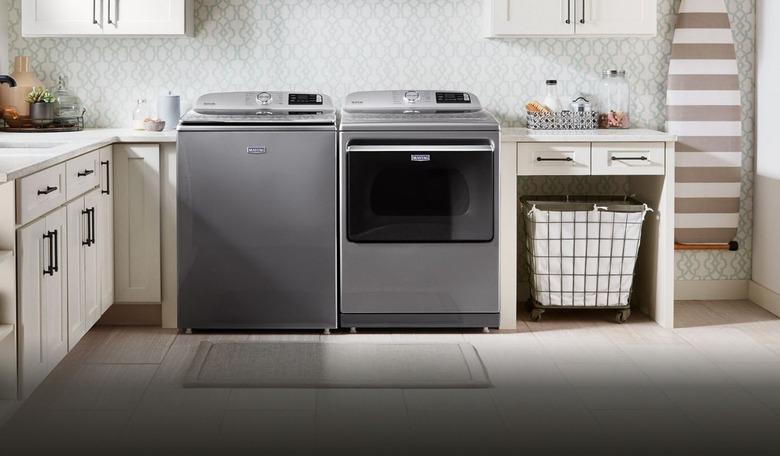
(581, 252)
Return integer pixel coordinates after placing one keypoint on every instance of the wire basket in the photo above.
(581, 252)
(565, 120)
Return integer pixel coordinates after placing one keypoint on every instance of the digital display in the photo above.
(305, 99)
(452, 97)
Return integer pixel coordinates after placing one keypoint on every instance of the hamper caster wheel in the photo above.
(536, 314)
(622, 316)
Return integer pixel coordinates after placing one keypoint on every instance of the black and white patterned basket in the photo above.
(566, 120)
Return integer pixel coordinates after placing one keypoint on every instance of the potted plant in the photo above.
(42, 104)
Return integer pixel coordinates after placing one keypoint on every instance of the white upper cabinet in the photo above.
(107, 17)
(530, 17)
(616, 17)
(517, 18)
(62, 17)
(147, 17)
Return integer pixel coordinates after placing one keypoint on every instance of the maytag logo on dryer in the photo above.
(256, 150)
(421, 158)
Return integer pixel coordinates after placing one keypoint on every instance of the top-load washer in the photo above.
(419, 210)
(257, 212)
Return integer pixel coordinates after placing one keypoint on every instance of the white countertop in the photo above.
(22, 154)
(629, 135)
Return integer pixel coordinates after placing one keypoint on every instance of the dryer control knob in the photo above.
(264, 98)
(412, 96)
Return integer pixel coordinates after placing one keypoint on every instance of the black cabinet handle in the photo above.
(88, 242)
(568, 12)
(47, 191)
(94, 12)
(542, 159)
(109, 12)
(92, 223)
(582, 21)
(56, 251)
(630, 159)
(107, 164)
(86, 172)
(50, 268)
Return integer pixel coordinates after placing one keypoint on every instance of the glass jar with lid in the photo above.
(69, 106)
(614, 100)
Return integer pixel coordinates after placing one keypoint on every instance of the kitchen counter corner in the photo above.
(22, 154)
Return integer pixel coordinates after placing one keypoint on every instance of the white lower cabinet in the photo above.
(137, 276)
(83, 280)
(43, 308)
(105, 229)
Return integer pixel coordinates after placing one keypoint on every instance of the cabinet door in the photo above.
(616, 17)
(62, 17)
(55, 296)
(147, 17)
(77, 237)
(137, 223)
(91, 274)
(42, 299)
(33, 259)
(105, 229)
(530, 17)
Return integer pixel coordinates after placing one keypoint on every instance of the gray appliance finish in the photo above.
(257, 226)
(419, 211)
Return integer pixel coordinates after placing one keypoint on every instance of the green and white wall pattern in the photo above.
(339, 46)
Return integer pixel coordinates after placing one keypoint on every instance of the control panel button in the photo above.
(264, 98)
(412, 96)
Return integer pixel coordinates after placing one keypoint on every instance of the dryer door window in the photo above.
(404, 193)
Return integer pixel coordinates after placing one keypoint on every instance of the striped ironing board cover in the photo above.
(704, 111)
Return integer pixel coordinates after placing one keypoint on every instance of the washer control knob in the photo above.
(264, 98)
(412, 96)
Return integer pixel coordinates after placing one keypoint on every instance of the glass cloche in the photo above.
(69, 106)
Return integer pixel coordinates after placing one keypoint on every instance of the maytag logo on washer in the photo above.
(256, 150)
(421, 158)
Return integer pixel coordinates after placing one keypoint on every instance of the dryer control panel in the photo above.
(412, 101)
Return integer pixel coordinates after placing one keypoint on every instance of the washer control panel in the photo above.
(263, 103)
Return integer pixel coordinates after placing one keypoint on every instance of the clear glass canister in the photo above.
(69, 105)
(614, 100)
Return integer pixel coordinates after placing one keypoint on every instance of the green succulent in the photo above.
(40, 95)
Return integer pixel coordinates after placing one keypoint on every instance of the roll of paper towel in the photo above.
(169, 110)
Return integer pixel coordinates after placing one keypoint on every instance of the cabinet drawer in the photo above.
(644, 159)
(553, 159)
(40, 193)
(83, 174)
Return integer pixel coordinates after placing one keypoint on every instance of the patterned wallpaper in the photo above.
(339, 46)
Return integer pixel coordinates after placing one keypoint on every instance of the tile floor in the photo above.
(575, 383)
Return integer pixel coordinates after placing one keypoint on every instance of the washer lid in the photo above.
(412, 101)
(261, 108)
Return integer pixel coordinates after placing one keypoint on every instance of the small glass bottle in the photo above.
(140, 115)
(552, 100)
(614, 100)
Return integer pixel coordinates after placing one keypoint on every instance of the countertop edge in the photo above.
(521, 135)
(81, 146)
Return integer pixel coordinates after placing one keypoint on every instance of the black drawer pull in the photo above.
(630, 159)
(47, 191)
(86, 172)
(542, 159)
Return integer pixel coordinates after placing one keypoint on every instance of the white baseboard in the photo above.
(764, 297)
(711, 290)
